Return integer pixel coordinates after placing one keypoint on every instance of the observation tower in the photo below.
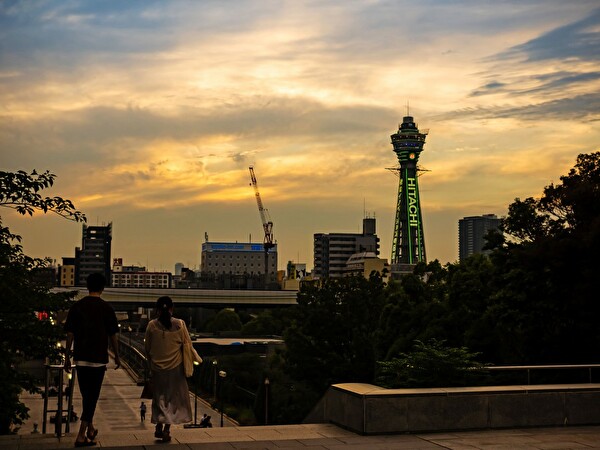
(408, 244)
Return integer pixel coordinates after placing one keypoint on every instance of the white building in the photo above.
(141, 279)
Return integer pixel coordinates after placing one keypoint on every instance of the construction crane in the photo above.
(266, 223)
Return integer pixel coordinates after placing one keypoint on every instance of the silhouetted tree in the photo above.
(27, 309)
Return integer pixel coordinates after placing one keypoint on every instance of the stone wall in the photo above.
(369, 409)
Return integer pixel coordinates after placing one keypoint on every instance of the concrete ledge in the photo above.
(368, 409)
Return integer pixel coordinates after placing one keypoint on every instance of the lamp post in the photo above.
(222, 374)
(267, 382)
(215, 363)
(195, 424)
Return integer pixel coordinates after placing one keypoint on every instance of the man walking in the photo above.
(91, 324)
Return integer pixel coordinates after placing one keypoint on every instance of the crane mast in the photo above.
(264, 214)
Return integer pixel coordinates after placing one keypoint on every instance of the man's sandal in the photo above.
(92, 436)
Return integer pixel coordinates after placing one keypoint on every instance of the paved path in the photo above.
(117, 419)
(117, 410)
(323, 437)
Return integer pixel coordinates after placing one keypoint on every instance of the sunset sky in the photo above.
(150, 112)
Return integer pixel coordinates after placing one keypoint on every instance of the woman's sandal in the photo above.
(86, 443)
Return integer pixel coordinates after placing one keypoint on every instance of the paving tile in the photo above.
(290, 444)
(253, 445)
(211, 446)
(135, 447)
(321, 441)
(558, 445)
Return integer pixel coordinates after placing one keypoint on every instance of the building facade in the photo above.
(471, 233)
(408, 242)
(157, 280)
(332, 250)
(363, 264)
(219, 258)
(94, 254)
(66, 272)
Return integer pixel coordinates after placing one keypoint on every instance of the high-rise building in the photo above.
(178, 268)
(472, 231)
(94, 254)
(408, 242)
(333, 250)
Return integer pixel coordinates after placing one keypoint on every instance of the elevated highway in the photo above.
(193, 297)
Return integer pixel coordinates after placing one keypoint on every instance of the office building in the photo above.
(408, 241)
(94, 254)
(332, 250)
(66, 273)
(220, 258)
(471, 233)
(154, 280)
(138, 277)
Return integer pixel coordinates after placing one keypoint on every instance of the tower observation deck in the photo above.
(408, 244)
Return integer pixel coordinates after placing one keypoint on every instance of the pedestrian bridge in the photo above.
(193, 297)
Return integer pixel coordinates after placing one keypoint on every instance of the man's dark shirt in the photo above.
(92, 321)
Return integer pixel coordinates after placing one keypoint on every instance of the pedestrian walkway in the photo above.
(118, 407)
(120, 428)
(322, 437)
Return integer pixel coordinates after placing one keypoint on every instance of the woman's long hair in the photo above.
(163, 306)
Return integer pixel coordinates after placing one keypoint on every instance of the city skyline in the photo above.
(150, 113)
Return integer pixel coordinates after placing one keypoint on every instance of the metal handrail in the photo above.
(529, 368)
(134, 358)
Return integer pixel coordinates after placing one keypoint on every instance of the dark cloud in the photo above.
(489, 88)
(86, 134)
(584, 107)
(550, 82)
(578, 40)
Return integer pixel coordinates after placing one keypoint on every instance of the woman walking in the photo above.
(164, 341)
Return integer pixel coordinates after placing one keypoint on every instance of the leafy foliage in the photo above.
(23, 334)
(431, 364)
(332, 336)
(224, 320)
(21, 191)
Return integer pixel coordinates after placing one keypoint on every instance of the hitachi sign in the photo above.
(413, 204)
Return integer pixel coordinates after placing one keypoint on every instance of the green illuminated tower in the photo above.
(408, 245)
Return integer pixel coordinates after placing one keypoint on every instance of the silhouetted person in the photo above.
(91, 324)
(143, 411)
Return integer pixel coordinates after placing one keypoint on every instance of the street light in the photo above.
(222, 374)
(267, 382)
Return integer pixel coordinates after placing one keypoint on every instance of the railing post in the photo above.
(46, 390)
